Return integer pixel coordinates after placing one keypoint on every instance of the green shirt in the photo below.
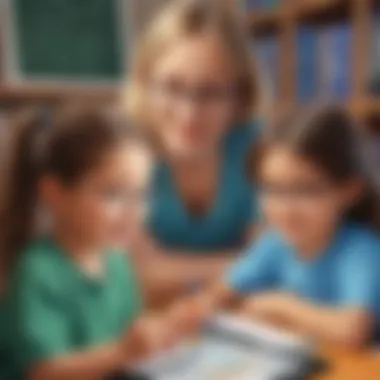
(55, 309)
(5, 356)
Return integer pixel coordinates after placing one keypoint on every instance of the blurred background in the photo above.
(309, 50)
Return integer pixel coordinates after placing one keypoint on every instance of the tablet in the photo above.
(232, 348)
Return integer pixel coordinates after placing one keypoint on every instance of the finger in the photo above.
(161, 337)
(247, 307)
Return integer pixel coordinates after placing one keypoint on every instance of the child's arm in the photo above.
(44, 330)
(149, 335)
(188, 315)
(165, 279)
(350, 320)
(94, 364)
(351, 327)
(254, 271)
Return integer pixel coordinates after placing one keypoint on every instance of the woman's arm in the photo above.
(350, 327)
(167, 274)
(165, 278)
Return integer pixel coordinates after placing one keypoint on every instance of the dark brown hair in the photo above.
(65, 143)
(330, 139)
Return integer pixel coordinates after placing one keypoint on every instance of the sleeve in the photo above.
(358, 277)
(40, 329)
(134, 306)
(258, 269)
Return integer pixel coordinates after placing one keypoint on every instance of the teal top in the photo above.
(54, 309)
(226, 224)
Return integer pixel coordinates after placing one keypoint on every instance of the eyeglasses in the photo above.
(120, 196)
(303, 194)
(206, 97)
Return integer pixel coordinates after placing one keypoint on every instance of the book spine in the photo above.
(323, 64)
(252, 5)
(267, 51)
(255, 5)
(374, 66)
(307, 70)
(341, 53)
(269, 4)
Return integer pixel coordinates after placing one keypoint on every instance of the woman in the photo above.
(195, 89)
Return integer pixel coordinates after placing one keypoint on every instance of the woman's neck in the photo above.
(194, 164)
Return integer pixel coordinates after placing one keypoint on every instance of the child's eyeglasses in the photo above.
(122, 196)
(297, 193)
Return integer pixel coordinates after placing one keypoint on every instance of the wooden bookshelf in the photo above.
(266, 20)
(311, 8)
(295, 11)
(284, 22)
(14, 94)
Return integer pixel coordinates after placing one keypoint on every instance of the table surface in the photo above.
(346, 365)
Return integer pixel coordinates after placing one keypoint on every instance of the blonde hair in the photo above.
(187, 18)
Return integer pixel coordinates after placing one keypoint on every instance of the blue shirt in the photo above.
(225, 225)
(345, 275)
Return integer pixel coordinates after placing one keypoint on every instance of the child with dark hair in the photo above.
(71, 304)
(316, 268)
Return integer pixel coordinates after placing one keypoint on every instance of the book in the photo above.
(307, 64)
(341, 52)
(261, 5)
(334, 61)
(267, 52)
(252, 5)
(324, 63)
(270, 4)
(374, 67)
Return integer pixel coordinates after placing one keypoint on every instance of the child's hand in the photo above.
(189, 315)
(150, 335)
(268, 306)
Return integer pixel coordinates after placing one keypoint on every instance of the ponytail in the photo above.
(20, 191)
(65, 145)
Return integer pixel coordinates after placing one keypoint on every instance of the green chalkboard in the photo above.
(69, 39)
